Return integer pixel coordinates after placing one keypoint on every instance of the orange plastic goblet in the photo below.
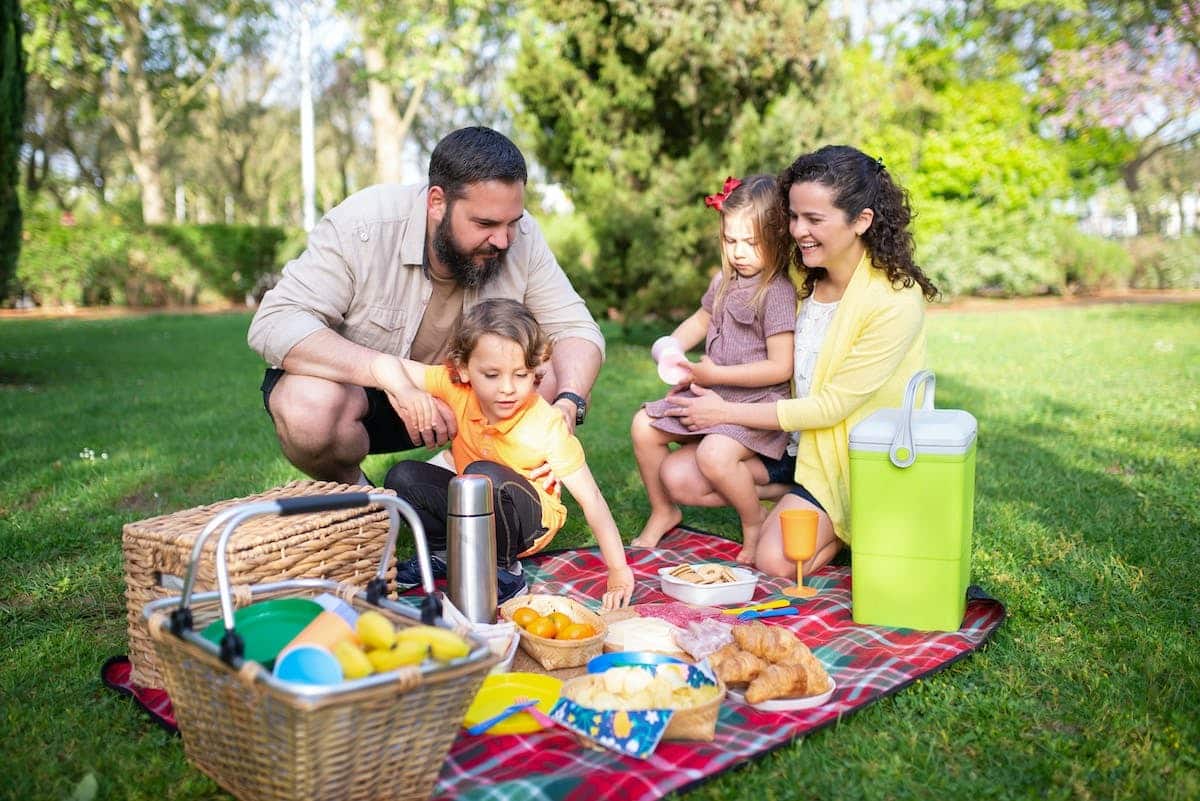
(799, 528)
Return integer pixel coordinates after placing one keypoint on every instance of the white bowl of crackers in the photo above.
(708, 583)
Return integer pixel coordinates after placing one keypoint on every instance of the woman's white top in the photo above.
(812, 323)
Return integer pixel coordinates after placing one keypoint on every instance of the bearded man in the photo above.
(387, 274)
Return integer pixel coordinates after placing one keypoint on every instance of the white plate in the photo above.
(787, 704)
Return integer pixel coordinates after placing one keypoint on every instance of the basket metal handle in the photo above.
(231, 644)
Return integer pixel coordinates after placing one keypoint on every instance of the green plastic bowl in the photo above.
(267, 626)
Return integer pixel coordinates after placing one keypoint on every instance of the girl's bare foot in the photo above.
(658, 524)
(749, 544)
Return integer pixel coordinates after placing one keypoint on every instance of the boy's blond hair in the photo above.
(504, 318)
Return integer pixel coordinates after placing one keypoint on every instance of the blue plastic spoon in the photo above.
(754, 615)
(511, 709)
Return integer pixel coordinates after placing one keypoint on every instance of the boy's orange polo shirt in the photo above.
(535, 433)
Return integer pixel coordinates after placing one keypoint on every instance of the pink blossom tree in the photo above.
(1144, 92)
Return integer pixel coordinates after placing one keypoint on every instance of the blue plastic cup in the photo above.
(308, 664)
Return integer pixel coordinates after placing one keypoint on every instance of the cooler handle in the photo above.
(231, 644)
(902, 452)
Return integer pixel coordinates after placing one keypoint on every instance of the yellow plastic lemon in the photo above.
(443, 644)
(375, 630)
(404, 653)
(354, 662)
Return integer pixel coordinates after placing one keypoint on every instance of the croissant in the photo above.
(777, 681)
(717, 657)
(741, 667)
(772, 643)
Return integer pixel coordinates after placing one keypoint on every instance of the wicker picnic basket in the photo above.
(385, 736)
(338, 544)
(555, 654)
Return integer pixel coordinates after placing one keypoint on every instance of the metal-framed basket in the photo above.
(385, 736)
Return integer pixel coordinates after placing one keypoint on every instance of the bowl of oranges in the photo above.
(557, 632)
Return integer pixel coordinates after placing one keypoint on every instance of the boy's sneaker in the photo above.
(410, 572)
(509, 585)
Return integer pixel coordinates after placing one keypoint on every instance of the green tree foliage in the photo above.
(12, 113)
(144, 65)
(425, 62)
(642, 107)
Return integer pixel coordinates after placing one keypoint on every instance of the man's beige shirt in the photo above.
(361, 277)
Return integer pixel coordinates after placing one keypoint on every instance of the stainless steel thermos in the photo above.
(471, 547)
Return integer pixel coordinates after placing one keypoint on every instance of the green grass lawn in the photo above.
(1087, 525)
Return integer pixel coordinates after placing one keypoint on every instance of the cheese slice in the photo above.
(643, 634)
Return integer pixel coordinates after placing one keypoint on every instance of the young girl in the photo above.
(859, 338)
(505, 430)
(746, 319)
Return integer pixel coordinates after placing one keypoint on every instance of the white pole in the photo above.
(308, 168)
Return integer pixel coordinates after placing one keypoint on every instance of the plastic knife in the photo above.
(776, 604)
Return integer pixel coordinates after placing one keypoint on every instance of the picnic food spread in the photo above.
(772, 660)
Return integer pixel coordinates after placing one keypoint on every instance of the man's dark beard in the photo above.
(464, 271)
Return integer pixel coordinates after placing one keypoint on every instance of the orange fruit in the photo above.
(561, 620)
(542, 627)
(576, 631)
(524, 616)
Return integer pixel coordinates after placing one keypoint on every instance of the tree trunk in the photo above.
(390, 132)
(143, 145)
(1133, 184)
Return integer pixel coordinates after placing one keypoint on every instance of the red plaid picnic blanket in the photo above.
(866, 663)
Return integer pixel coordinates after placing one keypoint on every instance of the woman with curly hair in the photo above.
(860, 336)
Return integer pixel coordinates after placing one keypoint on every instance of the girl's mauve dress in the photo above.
(737, 334)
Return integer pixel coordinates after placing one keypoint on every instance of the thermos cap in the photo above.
(470, 495)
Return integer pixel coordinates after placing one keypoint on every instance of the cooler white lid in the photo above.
(938, 431)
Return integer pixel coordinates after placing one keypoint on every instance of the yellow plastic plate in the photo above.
(502, 689)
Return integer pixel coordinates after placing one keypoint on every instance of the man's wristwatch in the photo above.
(580, 405)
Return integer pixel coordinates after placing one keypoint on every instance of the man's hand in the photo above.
(620, 589)
(544, 475)
(441, 428)
(569, 410)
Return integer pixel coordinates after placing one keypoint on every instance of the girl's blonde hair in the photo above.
(507, 319)
(757, 196)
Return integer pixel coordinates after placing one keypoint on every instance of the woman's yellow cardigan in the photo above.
(875, 342)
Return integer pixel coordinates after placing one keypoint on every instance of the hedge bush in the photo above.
(1161, 263)
(90, 264)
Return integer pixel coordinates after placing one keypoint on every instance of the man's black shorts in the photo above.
(384, 427)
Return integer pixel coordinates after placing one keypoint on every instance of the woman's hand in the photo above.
(705, 410)
(620, 588)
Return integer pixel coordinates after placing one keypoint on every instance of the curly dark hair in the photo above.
(860, 182)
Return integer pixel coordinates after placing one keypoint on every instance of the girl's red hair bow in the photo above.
(717, 201)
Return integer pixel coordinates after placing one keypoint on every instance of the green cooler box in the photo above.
(912, 498)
